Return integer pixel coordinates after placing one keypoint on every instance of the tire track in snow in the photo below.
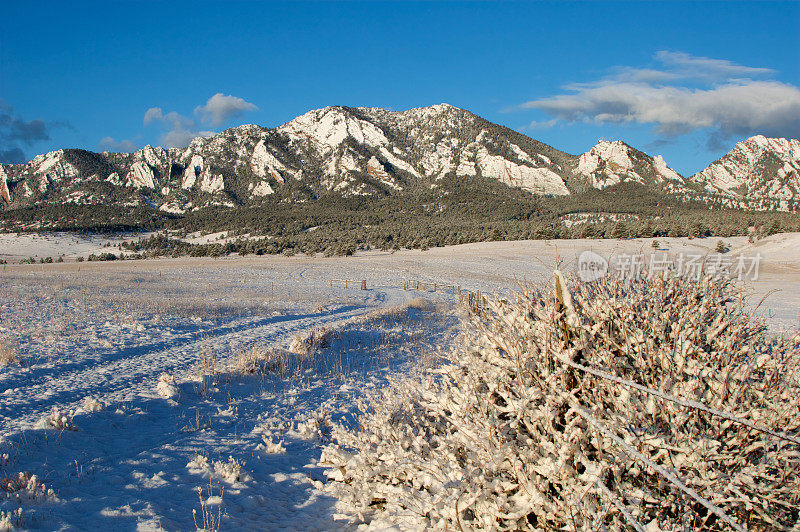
(126, 377)
(98, 358)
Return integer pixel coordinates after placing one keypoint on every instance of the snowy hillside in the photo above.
(758, 167)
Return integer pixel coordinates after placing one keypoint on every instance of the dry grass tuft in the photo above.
(311, 341)
(207, 373)
(301, 354)
(9, 354)
(257, 360)
(206, 365)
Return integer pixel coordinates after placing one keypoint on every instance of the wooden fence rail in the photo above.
(474, 300)
(413, 284)
(348, 282)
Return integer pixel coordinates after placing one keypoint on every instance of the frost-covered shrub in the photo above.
(59, 419)
(311, 341)
(230, 471)
(92, 404)
(167, 387)
(11, 519)
(656, 402)
(257, 360)
(312, 426)
(24, 487)
(199, 464)
(301, 354)
(271, 447)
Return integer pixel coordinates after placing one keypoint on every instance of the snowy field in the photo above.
(145, 364)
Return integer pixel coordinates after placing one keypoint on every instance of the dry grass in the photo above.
(206, 372)
(206, 365)
(122, 296)
(260, 361)
(382, 333)
(311, 341)
(210, 519)
(9, 354)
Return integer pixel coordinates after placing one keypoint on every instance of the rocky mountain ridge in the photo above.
(375, 152)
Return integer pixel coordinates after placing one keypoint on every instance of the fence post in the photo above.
(331, 283)
(364, 284)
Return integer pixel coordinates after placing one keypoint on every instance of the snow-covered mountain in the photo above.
(339, 150)
(395, 149)
(756, 168)
(610, 163)
(372, 152)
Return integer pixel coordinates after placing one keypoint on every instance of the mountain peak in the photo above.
(777, 144)
(610, 162)
(330, 126)
(442, 108)
(616, 143)
(756, 167)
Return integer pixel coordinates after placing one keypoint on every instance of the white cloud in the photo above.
(689, 66)
(180, 130)
(221, 108)
(173, 119)
(118, 146)
(685, 94)
(180, 138)
(546, 124)
(154, 114)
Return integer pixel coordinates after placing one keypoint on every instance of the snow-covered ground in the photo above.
(15, 247)
(69, 246)
(104, 341)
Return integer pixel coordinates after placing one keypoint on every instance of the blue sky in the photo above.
(686, 80)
